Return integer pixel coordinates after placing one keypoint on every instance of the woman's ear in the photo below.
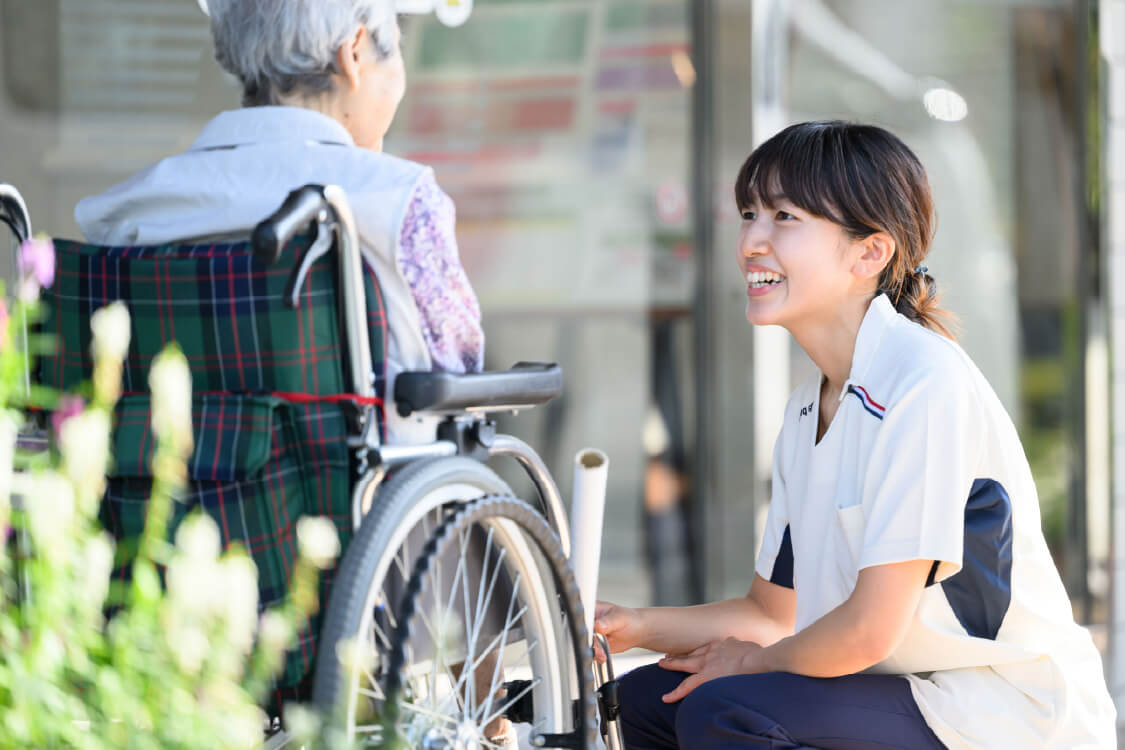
(351, 55)
(876, 251)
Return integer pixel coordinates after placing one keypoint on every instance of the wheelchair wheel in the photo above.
(372, 578)
(539, 662)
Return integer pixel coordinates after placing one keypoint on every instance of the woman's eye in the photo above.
(749, 216)
(785, 216)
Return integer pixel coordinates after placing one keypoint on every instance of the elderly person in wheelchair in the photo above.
(321, 84)
(335, 361)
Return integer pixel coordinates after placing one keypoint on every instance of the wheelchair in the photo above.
(454, 602)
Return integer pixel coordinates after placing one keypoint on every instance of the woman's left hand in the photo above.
(716, 659)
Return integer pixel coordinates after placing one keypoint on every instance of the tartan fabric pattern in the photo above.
(246, 473)
(270, 437)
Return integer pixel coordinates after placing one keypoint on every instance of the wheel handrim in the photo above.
(374, 638)
(438, 706)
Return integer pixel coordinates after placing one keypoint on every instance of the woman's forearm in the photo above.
(677, 630)
(859, 633)
(831, 647)
(842, 642)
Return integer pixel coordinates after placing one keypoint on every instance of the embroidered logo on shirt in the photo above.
(873, 408)
(805, 411)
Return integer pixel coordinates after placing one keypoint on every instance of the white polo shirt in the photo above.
(922, 462)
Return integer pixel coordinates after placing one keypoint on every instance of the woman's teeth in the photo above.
(758, 279)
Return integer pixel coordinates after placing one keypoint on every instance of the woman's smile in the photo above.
(760, 282)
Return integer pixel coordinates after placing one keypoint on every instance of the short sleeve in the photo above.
(775, 558)
(429, 261)
(921, 470)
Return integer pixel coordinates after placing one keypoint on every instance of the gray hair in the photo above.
(277, 48)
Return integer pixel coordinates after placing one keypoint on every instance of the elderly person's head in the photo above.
(339, 57)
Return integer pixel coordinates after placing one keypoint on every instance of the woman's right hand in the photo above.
(620, 625)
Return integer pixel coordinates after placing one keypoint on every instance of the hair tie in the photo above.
(922, 270)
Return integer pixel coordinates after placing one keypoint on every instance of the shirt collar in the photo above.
(880, 316)
(241, 127)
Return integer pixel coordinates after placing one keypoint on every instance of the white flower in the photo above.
(190, 646)
(98, 566)
(317, 541)
(243, 728)
(110, 326)
(198, 538)
(275, 632)
(195, 587)
(355, 656)
(303, 723)
(240, 603)
(170, 382)
(84, 441)
(49, 501)
(8, 430)
(52, 652)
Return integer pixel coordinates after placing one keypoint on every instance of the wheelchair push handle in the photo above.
(303, 206)
(13, 212)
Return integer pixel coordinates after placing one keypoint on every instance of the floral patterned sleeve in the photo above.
(429, 261)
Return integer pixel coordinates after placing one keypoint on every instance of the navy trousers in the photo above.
(777, 711)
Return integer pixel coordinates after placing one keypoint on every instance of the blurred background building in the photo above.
(591, 147)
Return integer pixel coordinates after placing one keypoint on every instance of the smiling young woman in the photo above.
(904, 595)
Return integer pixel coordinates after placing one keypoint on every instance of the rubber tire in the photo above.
(537, 528)
(393, 502)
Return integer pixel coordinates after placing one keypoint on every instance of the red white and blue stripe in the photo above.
(871, 405)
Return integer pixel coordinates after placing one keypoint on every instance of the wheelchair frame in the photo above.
(465, 402)
(329, 209)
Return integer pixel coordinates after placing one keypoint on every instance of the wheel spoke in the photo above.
(431, 713)
(440, 639)
(480, 610)
(468, 676)
(400, 559)
(500, 712)
(374, 683)
(378, 632)
(482, 603)
(451, 696)
(504, 635)
(498, 637)
(458, 574)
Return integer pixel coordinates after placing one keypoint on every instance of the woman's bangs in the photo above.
(790, 166)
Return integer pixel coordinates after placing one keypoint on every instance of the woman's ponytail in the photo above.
(917, 299)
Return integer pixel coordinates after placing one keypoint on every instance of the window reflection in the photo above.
(561, 129)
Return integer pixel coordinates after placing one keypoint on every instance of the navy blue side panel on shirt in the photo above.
(782, 573)
(981, 592)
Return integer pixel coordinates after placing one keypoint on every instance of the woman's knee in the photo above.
(646, 720)
(698, 710)
(722, 713)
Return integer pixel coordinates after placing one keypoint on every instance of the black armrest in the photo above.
(527, 384)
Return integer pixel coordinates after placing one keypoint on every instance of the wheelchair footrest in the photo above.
(522, 711)
(609, 701)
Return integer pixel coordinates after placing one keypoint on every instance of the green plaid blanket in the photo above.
(269, 434)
